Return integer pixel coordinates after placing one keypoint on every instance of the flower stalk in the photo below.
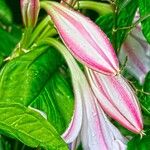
(99, 7)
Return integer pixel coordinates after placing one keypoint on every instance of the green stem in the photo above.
(100, 8)
(26, 37)
(49, 32)
(130, 28)
(114, 31)
(63, 50)
(134, 24)
(44, 23)
(44, 33)
(58, 45)
(124, 65)
(138, 21)
(145, 110)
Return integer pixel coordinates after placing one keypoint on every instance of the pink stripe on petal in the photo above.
(126, 93)
(113, 138)
(124, 99)
(107, 102)
(91, 134)
(84, 39)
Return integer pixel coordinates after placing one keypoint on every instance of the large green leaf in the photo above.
(22, 79)
(56, 100)
(144, 7)
(143, 92)
(147, 83)
(138, 143)
(122, 3)
(29, 127)
(9, 40)
(124, 18)
(145, 97)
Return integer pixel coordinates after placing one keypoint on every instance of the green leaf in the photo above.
(144, 6)
(21, 81)
(23, 78)
(56, 100)
(123, 18)
(5, 13)
(63, 94)
(9, 40)
(145, 97)
(122, 4)
(139, 144)
(106, 23)
(29, 127)
(147, 83)
(145, 102)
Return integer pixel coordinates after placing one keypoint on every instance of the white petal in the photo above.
(136, 50)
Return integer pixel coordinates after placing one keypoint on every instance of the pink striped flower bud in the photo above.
(83, 38)
(117, 99)
(30, 10)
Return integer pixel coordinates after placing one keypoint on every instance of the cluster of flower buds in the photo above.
(89, 44)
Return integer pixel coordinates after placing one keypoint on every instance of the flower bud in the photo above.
(30, 10)
(83, 38)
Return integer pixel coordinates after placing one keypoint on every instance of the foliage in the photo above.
(36, 95)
